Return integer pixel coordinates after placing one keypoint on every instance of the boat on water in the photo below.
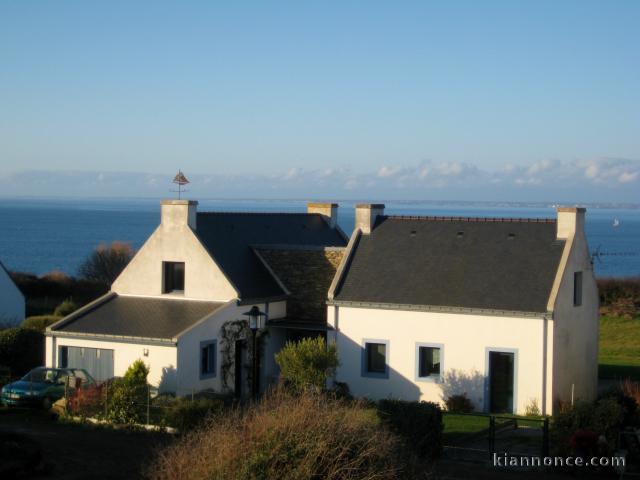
(616, 223)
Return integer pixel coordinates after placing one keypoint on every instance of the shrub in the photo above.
(65, 308)
(532, 409)
(128, 396)
(459, 403)
(307, 363)
(419, 425)
(286, 437)
(39, 322)
(604, 417)
(106, 262)
(186, 414)
(86, 401)
(21, 349)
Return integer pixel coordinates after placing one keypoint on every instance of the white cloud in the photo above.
(627, 177)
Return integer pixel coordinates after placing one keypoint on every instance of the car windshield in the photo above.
(39, 375)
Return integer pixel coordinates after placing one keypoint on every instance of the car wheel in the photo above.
(46, 403)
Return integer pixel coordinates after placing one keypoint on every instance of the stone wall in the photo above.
(307, 274)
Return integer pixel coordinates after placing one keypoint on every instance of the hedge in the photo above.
(21, 349)
(419, 424)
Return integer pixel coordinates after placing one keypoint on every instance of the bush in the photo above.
(39, 322)
(604, 417)
(459, 403)
(128, 396)
(86, 401)
(532, 409)
(21, 349)
(287, 437)
(307, 363)
(419, 425)
(65, 308)
(186, 414)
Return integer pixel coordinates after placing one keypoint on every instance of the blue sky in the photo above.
(409, 98)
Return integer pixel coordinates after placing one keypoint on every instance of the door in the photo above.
(97, 361)
(501, 371)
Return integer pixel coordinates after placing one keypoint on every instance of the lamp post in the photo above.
(255, 324)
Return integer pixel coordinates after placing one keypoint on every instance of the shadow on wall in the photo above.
(471, 384)
(392, 385)
(169, 380)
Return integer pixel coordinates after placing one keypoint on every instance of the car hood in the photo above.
(22, 386)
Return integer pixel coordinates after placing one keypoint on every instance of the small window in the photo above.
(208, 359)
(429, 361)
(173, 277)
(577, 289)
(375, 359)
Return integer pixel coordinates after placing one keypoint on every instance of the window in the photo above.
(429, 361)
(374, 361)
(173, 277)
(63, 357)
(208, 359)
(577, 289)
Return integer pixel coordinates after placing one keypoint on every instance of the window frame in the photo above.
(174, 291)
(433, 378)
(364, 364)
(578, 286)
(208, 344)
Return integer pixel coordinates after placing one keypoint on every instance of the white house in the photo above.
(192, 280)
(502, 310)
(12, 304)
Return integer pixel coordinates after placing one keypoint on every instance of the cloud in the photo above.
(584, 179)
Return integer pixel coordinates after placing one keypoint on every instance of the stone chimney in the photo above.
(570, 221)
(329, 210)
(178, 213)
(366, 214)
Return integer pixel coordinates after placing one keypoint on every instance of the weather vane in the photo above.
(181, 181)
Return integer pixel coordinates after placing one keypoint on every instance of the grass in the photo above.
(619, 354)
(458, 426)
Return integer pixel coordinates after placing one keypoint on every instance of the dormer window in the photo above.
(173, 273)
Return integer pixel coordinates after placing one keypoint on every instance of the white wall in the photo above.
(210, 329)
(174, 241)
(465, 340)
(12, 306)
(162, 360)
(575, 336)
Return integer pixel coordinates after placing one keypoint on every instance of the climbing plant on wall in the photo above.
(230, 333)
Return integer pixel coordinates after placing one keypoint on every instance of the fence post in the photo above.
(148, 401)
(192, 394)
(545, 437)
(492, 434)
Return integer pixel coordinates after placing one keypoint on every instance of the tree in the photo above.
(106, 262)
(307, 363)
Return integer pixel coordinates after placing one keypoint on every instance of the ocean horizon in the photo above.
(40, 235)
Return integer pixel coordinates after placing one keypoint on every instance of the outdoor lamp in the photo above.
(255, 318)
(255, 324)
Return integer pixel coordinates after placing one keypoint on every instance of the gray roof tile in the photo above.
(464, 263)
(143, 317)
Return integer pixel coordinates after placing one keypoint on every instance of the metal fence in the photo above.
(142, 404)
(476, 437)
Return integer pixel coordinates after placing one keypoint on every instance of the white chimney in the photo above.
(178, 213)
(329, 210)
(366, 214)
(570, 221)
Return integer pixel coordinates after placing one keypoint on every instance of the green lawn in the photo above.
(619, 347)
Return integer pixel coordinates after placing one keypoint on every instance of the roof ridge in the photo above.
(471, 219)
(254, 213)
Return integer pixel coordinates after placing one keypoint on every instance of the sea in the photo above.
(44, 235)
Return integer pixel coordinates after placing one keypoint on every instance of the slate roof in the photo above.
(498, 264)
(229, 238)
(124, 316)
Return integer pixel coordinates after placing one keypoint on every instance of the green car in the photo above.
(42, 386)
